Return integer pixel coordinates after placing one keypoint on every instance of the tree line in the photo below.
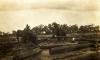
(54, 29)
(62, 29)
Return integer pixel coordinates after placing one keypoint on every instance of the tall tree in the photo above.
(28, 35)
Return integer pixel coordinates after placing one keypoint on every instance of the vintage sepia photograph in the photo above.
(49, 29)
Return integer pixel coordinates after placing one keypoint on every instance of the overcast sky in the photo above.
(15, 14)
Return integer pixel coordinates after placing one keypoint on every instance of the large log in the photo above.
(76, 47)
